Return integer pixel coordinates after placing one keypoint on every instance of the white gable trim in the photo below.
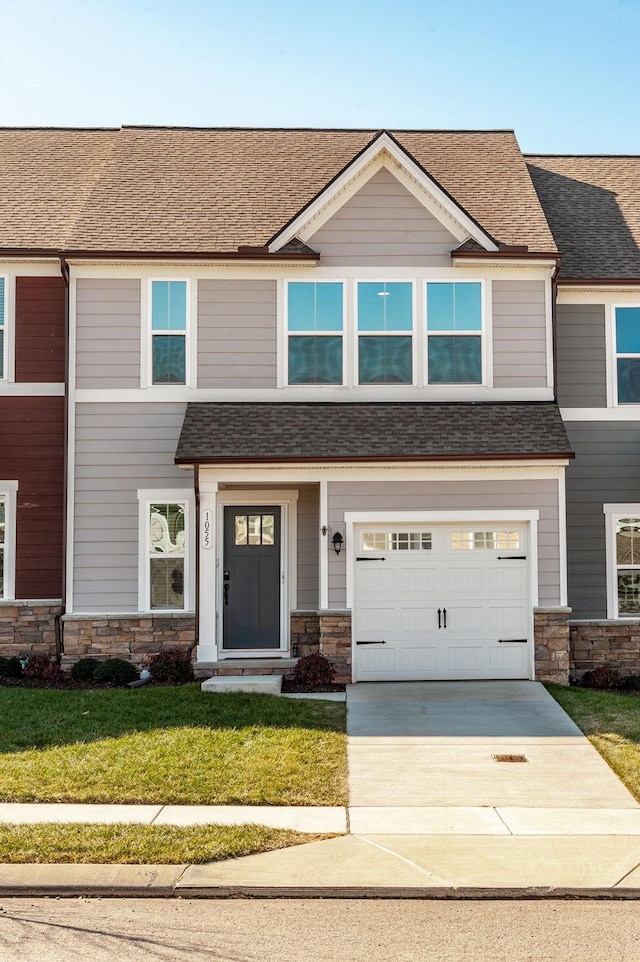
(383, 152)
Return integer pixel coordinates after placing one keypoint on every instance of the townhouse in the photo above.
(311, 399)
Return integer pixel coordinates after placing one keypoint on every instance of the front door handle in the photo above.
(226, 593)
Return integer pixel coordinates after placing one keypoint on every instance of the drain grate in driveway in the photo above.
(510, 758)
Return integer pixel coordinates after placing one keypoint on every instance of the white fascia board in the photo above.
(449, 471)
(443, 517)
(362, 169)
(630, 412)
(31, 389)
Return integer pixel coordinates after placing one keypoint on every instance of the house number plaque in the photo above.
(206, 524)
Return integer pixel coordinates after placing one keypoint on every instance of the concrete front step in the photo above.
(244, 666)
(266, 684)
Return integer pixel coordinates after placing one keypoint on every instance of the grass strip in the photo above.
(611, 722)
(140, 844)
(170, 745)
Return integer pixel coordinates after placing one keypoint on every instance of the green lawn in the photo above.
(170, 745)
(611, 722)
(140, 844)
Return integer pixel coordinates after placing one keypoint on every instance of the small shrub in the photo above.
(10, 667)
(601, 677)
(85, 669)
(37, 666)
(313, 671)
(115, 671)
(172, 666)
(630, 683)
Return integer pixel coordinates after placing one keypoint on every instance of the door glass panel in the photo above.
(240, 529)
(268, 527)
(254, 529)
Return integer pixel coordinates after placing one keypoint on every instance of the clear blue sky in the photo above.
(565, 74)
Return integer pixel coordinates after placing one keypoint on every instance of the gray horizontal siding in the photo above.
(308, 547)
(519, 334)
(237, 334)
(581, 355)
(119, 449)
(108, 333)
(452, 496)
(606, 470)
(383, 225)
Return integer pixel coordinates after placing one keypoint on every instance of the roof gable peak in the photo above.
(384, 151)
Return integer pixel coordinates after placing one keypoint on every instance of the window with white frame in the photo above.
(165, 553)
(623, 560)
(3, 321)
(627, 346)
(315, 329)
(8, 499)
(454, 332)
(169, 331)
(385, 332)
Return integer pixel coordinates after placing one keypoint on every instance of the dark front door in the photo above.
(251, 577)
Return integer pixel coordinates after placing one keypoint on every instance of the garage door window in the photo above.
(396, 541)
(485, 540)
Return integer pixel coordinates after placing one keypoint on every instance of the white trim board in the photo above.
(612, 511)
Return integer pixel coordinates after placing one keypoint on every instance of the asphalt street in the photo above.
(290, 930)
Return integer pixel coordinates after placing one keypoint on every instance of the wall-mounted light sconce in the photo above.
(324, 530)
(337, 541)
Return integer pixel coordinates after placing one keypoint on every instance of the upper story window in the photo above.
(627, 341)
(169, 312)
(454, 333)
(315, 326)
(385, 332)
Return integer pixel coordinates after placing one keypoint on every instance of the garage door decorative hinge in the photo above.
(371, 559)
(370, 642)
(512, 557)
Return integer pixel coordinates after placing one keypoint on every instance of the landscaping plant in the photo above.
(313, 671)
(172, 666)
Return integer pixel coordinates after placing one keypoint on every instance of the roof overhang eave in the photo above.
(187, 462)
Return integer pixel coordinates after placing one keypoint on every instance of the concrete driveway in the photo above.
(435, 745)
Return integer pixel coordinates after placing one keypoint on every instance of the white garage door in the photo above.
(441, 602)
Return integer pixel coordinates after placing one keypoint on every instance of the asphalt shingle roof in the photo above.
(245, 432)
(213, 190)
(593, 207)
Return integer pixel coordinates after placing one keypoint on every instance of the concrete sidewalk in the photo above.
(435, 812)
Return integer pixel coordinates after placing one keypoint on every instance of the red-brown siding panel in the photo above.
(40, 329)
(32, 453)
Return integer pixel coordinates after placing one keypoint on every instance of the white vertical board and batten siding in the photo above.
(460, 496)
(383, 225)
(519, 334)
(237, 333)
(119, 449)
(108, 332)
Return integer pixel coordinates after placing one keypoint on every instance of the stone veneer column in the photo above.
(552, 643)
(335, 642)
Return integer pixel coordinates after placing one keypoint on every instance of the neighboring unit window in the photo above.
(2, 544)
(166, 555)
(485, 540)
(315, 323)
(3, 372)
(627, 321)
(169, 332)
(454, 333)
(627, 536)
(396, 541)
(384, 354)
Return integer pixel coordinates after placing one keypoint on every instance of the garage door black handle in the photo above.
(370, 642)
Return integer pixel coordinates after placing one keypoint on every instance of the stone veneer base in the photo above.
(614, 644)
(28, 627)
